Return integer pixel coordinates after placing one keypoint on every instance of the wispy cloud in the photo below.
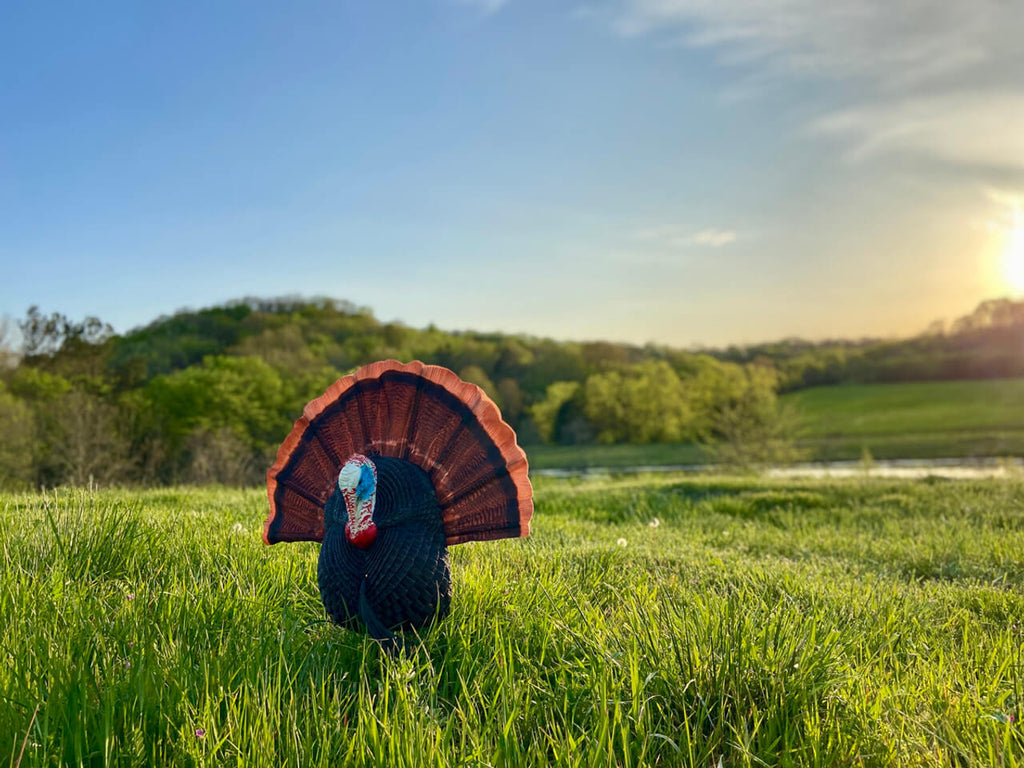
(891, 41)
(673, 237)
(713, 237)
(484, 6)
(983, 128)
(1008, 213)
(916, 75)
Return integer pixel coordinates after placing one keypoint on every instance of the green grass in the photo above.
(612, 456)
(969, 444)
(920, 419)
(966, 444)
(911, 408)
(759, 623)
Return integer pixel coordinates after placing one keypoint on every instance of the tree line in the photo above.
(206, 396)
(985, 344)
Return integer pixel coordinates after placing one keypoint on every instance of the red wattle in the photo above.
(364, 538)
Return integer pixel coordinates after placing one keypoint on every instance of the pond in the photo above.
(954, 469)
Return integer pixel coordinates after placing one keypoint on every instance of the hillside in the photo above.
(987, 344)
(207, 395)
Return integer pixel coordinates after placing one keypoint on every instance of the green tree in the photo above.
(745, 426)
(36, 386)
(17, 431)
(47, 335)
(545, 413)
(474, 374)
(511, 399)
(241, 396)
(41, 392)
(89, 447)
(8, 355)
(644, 403)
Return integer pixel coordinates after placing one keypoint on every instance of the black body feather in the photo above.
(403, 579)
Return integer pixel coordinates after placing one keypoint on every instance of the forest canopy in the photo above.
(207, 395)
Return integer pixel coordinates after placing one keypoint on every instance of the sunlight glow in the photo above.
(1013, 257)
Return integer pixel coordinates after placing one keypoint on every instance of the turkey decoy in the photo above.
(387, 468)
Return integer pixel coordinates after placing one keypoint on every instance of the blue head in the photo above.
(357, 482)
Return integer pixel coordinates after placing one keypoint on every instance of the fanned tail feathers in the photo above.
(421, 413)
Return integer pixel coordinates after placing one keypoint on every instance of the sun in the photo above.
(1013, 256)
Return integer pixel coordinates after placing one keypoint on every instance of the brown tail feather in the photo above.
(424, 414)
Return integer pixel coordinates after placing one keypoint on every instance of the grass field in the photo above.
(911, 408)
(738, 622)
(648, 455)
(929, 419)
(965, 444)
(921, 420)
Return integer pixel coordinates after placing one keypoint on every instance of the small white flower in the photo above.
(622, 542)
(237, 528)
(655, 522)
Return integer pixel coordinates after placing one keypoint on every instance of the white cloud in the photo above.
(713, 237)
(485, 6)
(941, 78)
(962, 128)
(1008, 211)
(673, 237)
(892, 41)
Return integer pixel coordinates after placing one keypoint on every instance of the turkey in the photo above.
(389, 467)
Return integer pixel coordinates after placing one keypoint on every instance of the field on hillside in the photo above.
(920, 420)
(649, 621)
(913, 407)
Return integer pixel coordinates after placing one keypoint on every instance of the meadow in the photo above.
(910, 408)
(665, 620)
(921, 420)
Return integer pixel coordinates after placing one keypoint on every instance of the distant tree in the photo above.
(282, 348)
(545, 413)
(474, 374)
(572, 426)
(207, 395)
(46, 335)
(8, 355)
(176, 342)
(240, 395)
(748, 427)
(712, 386)
(605, 355)
(510, 398)
(514, 357)
(645, 403)
(553, 362)
(17, 432)
(991, 313)
(40, 392)
(244, 395)
(89, 446)
(220, 456)
(36, 386)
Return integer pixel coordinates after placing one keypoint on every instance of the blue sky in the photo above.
(676, 171)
